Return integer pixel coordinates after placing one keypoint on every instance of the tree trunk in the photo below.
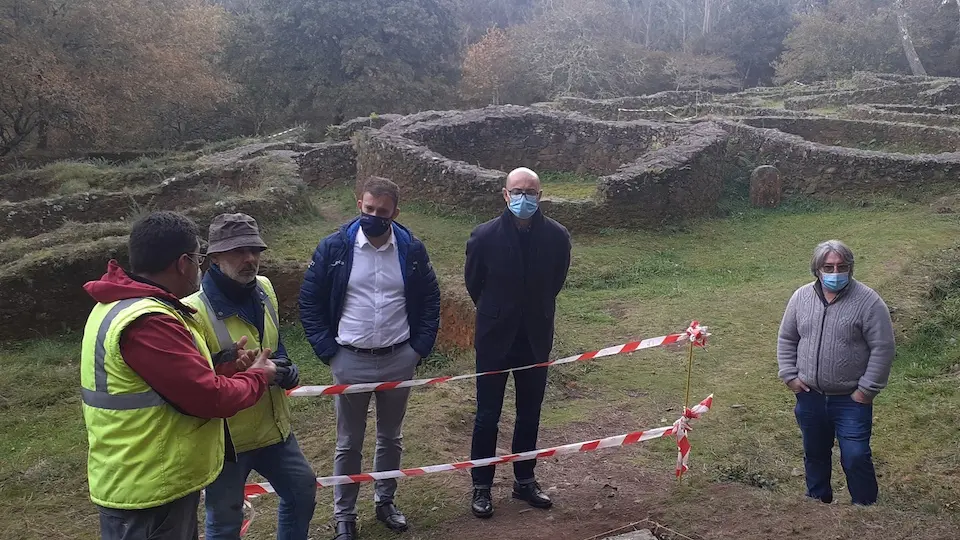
(707, 16)
(648, 32)
(915, 65)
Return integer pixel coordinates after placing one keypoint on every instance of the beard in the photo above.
(243, 274)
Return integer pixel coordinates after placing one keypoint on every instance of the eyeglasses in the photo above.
(200, 258)
(835, 268)
(518, 191)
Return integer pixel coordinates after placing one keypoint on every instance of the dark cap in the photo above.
(232, 231)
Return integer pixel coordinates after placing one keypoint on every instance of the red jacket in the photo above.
(161, 350)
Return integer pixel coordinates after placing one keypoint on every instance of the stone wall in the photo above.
(343, 132)
(867, 112)
(215, 189)
(828, 172)
(328, 165)
(671, 184)
(888, 136)
(610, 110)
(951, 109)
(910, 93)
(42, 293)
(507, 137)
(425, 175)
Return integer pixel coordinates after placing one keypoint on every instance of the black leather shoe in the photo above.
(482, 505)
(346, 530)
(389, 515)
(531, 493)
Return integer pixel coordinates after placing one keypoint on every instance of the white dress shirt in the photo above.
(375, 308)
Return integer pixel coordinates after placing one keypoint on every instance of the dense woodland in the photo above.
(158, 73)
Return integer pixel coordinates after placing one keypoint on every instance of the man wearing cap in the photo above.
(152, 400)
(234, 302)
(370, 306)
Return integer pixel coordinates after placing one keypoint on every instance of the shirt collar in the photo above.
(362, 239)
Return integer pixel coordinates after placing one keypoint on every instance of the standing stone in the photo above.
(765, 187)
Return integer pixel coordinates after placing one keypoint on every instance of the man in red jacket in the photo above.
(158, 347)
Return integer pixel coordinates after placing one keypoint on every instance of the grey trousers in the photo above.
(349, 367)
(176, 520)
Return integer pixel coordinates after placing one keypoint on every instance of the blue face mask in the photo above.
(523, 206)
(835, 282)
(374, 226)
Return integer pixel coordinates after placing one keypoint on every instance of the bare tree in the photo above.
(916, 66)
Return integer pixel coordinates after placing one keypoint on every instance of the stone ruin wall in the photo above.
(648, 164)
(840, 132)
(923, 93)
(872, 112)
(652, 174)
(508, 137)
(613, 110)
(329, 165)
(36, 216)
(829, 172)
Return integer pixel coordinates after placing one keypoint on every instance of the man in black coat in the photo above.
(516, 265)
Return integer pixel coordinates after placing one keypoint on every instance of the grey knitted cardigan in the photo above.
(839, 347)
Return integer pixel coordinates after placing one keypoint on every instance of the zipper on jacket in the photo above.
(823, 322)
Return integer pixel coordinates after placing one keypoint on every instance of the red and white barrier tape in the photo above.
(679, 429)
(695, 333)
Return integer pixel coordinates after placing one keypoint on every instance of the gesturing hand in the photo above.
(263, 362)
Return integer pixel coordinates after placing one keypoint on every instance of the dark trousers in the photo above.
(823, 418)
(175, 520)
(530, 386)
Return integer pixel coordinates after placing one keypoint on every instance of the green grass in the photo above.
(734, 275)
(568, 185)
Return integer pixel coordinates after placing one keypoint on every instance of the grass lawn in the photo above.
(568, 185)
(734, 275)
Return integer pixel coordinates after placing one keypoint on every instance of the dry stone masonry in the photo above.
(657, 161)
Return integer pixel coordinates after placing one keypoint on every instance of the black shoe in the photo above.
(482, 505)
(346, 530)
(389, 515)
(531, 493)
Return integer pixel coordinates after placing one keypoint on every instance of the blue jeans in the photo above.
(821, 418)
(285, 467)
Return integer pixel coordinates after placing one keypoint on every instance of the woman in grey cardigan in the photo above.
(835, 350)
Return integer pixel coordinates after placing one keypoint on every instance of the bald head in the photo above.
(521, 192)
(523, 178)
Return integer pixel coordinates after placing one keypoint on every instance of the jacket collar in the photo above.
(844, 292)
(222, 306)
(508, 219)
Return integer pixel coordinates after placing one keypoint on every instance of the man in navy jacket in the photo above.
(515, 267)
(370, 307)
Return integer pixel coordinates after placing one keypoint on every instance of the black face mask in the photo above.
(374, 226)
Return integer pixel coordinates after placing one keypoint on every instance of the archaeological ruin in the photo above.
(645, 162)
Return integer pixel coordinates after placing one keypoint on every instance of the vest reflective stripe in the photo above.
(101, 398)
(121, 402)
(143, 452)
(268, 421)
(219, 327)
(270, 309)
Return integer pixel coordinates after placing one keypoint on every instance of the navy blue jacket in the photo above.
(514, 284)
(324, 290)
(250, 307)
